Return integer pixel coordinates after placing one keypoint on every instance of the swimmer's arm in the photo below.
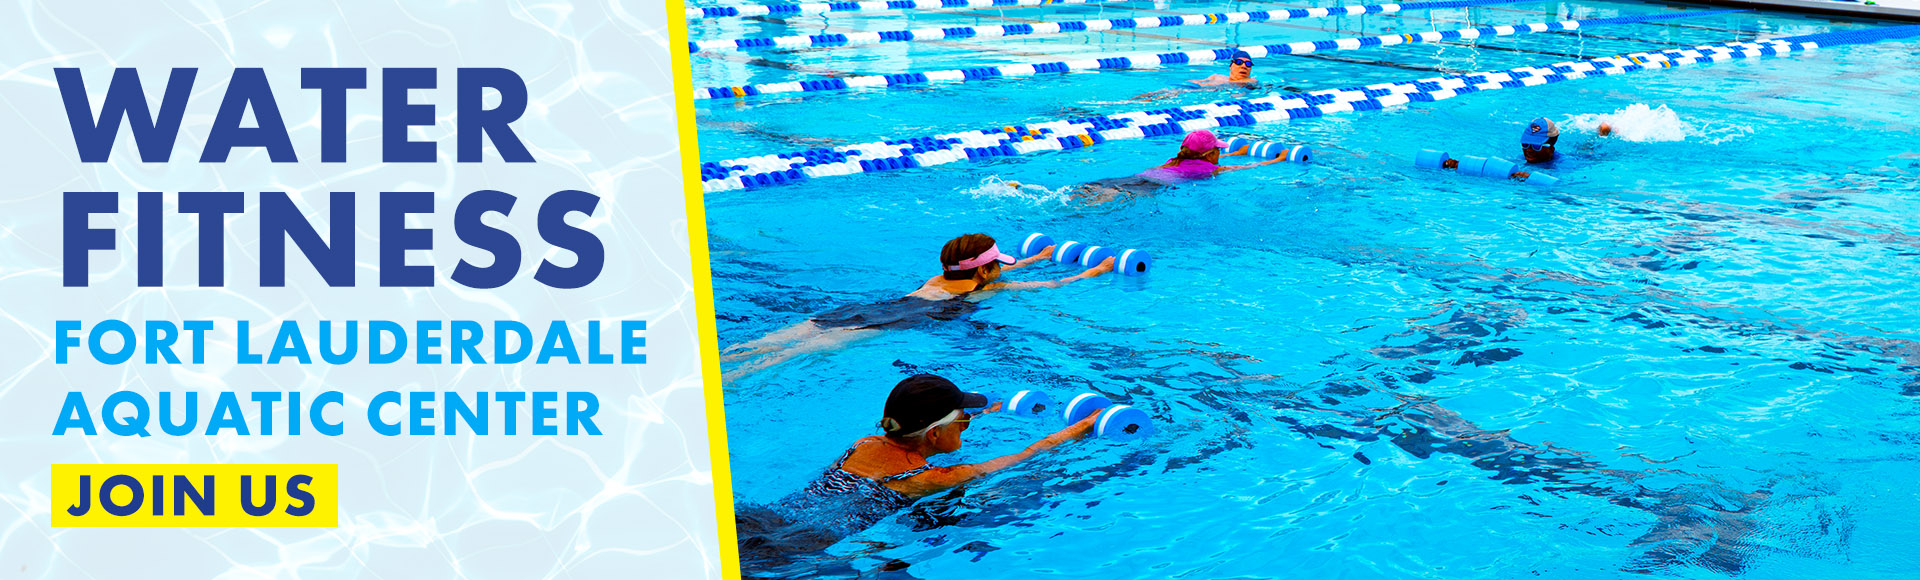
(941, 478)
(1104, 267)
(1226, 168)
(1043, 254)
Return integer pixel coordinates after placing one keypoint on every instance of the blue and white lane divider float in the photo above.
(812, 8)
(1117, 422)
(1046, 28)
(778, 169)
(1145, 60)
(1128, 262)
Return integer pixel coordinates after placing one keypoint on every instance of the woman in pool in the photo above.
(1199, 158)
(925, 415)
(971, 267)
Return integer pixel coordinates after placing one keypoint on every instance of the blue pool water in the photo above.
(1697, 357)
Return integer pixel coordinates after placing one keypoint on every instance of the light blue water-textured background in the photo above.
(636, 500)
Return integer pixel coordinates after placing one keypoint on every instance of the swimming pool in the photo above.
(1694, 357)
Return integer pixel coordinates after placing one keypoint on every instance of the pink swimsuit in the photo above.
(1184, 171)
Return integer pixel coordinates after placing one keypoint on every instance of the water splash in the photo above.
(993, 186)
(1640, 123)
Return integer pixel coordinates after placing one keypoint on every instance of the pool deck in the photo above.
(1889, 9)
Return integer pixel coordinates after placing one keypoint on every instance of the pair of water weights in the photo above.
(1129, 262)
(1118, 422)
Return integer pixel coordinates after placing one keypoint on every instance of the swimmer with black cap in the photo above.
(971, 266)
(925, 415)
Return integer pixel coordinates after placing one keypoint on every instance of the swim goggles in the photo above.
(990, 255)
(1245, 61)
(1540, 147)
(956, 416)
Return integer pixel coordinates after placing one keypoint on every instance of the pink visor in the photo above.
(1201, 141)
(990, 255)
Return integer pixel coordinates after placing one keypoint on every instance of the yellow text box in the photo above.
(247, 495)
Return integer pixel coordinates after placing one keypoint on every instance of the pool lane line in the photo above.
(1052, 28)
(788, 10)
(777, 169)
(1145, 60)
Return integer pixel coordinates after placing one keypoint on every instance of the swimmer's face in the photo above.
(1541, 154)
(1241, 68)
(946, 439)
(989, 272)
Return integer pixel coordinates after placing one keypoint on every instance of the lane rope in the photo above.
(782, 168)
(1149, 60)
(1050, 28)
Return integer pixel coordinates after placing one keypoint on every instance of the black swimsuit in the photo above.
(895, 314)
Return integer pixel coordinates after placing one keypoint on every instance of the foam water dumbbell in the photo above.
(1129, 262)
(1269, 149)
(1120, 422)
(1492, 167)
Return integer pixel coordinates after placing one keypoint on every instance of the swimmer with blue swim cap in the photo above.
(1239, 75)
(1538, 139)
(1239, 72)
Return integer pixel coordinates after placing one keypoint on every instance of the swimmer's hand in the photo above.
(941, 478)
(1012, 184)
(1074, 431)
(1104, 267)
(1520, 176)
(1043, 254)
(1450, 164)
(1606, 129)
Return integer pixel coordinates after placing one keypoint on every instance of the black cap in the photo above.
(920, 400)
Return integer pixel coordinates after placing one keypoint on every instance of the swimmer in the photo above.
(1536, 145)
(1199, 158)
(924, 416)
(1538, 139)
(971, 268)
(1239, 75)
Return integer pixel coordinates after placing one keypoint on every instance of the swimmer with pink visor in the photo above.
(991, 255)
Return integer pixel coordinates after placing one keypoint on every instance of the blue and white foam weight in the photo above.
(1084, 405)
(1123, 423)
(1029, 404)
(1134, 263)
(1034, 244)
(1094, 255)
(1068, 252)
(1269, 150)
